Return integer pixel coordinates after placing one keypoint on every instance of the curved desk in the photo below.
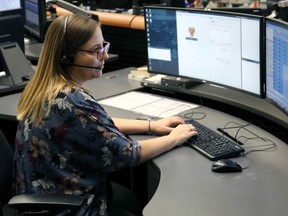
(110, 83)
(187, 186)
(180, 182)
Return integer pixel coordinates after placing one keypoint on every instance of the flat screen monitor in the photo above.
(220, 48)
(175, 3)
(6, 5)
(11, 32)
(35, 18)
(11, 23)
(11, 29)
(246, 10)
(277, 63)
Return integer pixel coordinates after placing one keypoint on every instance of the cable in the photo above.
(249, 164)
(189, 115)
(237, 138)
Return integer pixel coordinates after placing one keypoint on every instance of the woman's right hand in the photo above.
(154, 147)
(182, 132)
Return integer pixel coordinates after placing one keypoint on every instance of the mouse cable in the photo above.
(200, 98)
(190, 115)
(265, 147)
(254, 150)
(271, 145)
(173, 108)
(238, 126)
(229, 136)
(249, 164)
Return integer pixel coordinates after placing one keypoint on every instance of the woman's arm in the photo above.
(132, 126)
(178, 133)
(161, 126)
(154, 147)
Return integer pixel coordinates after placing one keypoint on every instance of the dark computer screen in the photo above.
(215, 47)
(35, 18)
(246, 10)
(11, 26)
(175, 3)
(11, 32)
(277, 63)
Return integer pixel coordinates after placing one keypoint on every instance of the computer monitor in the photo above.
(215, 47)
(175, 3)
(277, 63)
(35, 21)
(11, 27)
(13, 63)
(6, 5)
(245, 10)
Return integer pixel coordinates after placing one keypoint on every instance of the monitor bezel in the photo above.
(19, 33)
(270, 100)
(42, 21)
(261, 47)
(12, 33)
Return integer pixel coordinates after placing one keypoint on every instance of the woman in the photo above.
(66, 142)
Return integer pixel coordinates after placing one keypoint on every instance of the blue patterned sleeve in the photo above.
(100, 141)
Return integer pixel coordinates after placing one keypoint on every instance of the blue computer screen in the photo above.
(216, 47)
(277, 63)
(35, 18)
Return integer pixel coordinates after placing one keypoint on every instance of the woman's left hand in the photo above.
(165, 125)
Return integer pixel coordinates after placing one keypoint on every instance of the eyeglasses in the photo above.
(99, 52)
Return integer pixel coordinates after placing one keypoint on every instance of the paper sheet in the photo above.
(148, 104)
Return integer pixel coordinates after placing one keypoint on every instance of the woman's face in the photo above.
(88, 56)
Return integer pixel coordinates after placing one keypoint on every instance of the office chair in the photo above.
(29, 204)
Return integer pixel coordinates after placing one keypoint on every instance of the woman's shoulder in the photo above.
(75, 93)
(77, 97)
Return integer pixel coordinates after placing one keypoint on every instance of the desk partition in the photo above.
(114, 19)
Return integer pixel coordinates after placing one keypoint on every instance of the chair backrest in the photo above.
(6, 169)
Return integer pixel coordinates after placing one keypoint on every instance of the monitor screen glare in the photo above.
(9, 5)
(277, 63)
(215, 47)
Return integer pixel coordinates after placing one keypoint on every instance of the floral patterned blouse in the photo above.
(72, 151)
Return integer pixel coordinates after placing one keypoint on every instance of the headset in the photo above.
(65, 60)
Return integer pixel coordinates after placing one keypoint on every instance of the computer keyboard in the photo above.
(211, 144)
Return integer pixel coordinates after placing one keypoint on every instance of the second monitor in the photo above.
(215, 47)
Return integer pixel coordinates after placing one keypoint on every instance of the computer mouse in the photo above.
(225, 166)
